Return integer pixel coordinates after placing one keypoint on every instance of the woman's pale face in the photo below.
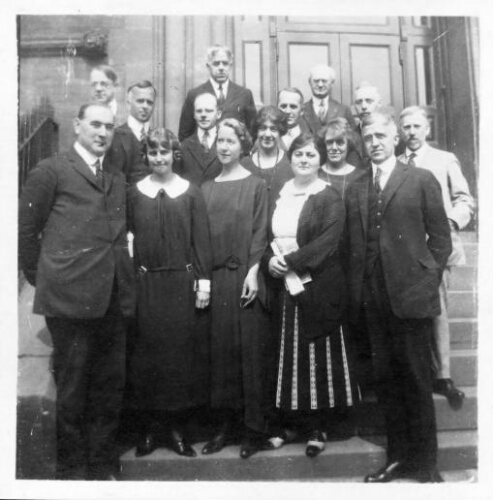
(160, 160)
(337, 147)
(268, 135)
(228, 146)
(305, 162)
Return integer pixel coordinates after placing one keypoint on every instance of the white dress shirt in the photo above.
(215, 86)
(386, 167)
(136, 126)
(88, 157)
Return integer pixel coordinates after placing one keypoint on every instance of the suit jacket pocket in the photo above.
(68, 266)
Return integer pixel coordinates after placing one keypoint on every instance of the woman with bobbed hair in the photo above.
(172, 254)
(313, 378)
(269, 161)
(236, 204)
(339, 140)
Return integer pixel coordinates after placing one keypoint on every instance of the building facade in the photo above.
(429, 61)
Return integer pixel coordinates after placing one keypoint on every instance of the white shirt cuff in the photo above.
(204, 285)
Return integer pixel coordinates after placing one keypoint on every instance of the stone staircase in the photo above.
(343, 460)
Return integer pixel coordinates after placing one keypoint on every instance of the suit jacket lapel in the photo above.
(233, 91)
(108, 174)
(82, 168)
(364, 187)
(396, 178)
(197, 150)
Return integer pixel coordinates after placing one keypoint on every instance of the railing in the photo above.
(38, 138)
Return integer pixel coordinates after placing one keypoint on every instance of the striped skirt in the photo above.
(312, 374)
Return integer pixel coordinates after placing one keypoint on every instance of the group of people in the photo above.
(281, 264)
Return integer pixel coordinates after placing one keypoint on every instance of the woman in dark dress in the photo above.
(236, 204)
(269, 160)
(313, 377)
(169, 365)
(338, 140)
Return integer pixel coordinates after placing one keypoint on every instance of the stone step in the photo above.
(464, 278)
(463, 304)
(354, 457)
(463, 367)
(463, 333)
(370, 419)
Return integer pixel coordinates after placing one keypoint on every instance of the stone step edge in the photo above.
(447, 439)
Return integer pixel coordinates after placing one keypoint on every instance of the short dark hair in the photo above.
(241, 132)
(143, 84)
(108, 71)
(273, 114)
(82, 110)
(340, 127)
(306, 138)
(161, 137)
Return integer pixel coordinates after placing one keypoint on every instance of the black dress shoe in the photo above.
(426, 476)
(250, 446)
(392, 470)
(180, 445)
(146, 445)
(446, 387)
(315, 444)
(216, 444)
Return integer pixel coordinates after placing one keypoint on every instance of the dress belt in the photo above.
(231, 262)
(143, 270)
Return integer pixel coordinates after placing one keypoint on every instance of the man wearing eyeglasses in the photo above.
(104, 84)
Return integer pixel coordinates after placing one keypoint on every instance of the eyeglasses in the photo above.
(104, 85)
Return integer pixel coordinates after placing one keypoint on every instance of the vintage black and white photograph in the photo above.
(247, 256)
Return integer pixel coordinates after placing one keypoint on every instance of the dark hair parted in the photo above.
(241, 132)
(307, 138)
(161, 137)
(82, 110)
(273, 114)
(108, 71)
(142, 84)
(338, 127)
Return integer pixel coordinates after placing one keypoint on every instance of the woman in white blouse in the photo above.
(313, 376)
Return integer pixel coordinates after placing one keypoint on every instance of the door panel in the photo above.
(299, 52)
(375, 59)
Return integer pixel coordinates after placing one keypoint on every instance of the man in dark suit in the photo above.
(199, 156)
(73, 249)
(459, 205)
(233, 100)
(290, 101)
(321, 108)
(398, 242)
(127, 149)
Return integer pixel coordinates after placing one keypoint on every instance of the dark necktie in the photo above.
(99, 172)
(220, 97)
(321, 110)
(378, 187)
(410, 160)
(205, 140)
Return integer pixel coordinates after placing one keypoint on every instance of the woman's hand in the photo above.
(202, 299)
(277, 267)
(250, 287)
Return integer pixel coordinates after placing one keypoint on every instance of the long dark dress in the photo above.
(237, 213)
(169, 368)
(274, 177)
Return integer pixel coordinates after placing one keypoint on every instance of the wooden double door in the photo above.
(391, 53)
